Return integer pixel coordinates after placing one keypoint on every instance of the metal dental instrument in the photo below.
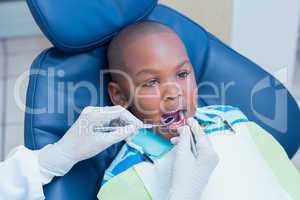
(193, 145)
(118, 123)
(106, 129)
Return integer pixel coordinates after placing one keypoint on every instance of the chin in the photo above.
(166, 133)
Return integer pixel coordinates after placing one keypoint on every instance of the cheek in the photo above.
(189, 87)
(147, 101)
(193, 93)
(190, 94)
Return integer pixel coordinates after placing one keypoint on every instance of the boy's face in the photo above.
(160, 85)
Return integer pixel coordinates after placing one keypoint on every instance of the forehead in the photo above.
(154, 51)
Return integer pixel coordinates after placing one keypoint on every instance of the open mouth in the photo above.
(174, 120)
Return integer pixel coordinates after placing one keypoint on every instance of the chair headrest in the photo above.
(80, 25)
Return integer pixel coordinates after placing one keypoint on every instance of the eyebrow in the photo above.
(183, 63)
(151, 71)
(146, 71)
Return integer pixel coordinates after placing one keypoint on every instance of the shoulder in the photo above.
(222, 111)
(218, 108)
(219, 117)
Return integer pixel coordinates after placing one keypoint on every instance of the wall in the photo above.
(16, 20)
(266, 31)
(214, 15)
(16, 56)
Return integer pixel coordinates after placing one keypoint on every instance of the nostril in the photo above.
(177, 97)
(170, 97)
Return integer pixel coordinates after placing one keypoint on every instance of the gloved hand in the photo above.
(191, 173)
(81, 142)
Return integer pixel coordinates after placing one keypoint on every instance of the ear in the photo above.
(116, 94)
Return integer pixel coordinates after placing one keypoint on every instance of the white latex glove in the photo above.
(191, 173)
(80, 142)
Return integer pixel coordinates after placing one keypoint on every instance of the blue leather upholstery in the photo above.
(58, 74)
(76, 25)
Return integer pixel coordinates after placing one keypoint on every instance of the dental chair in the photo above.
(68, 77)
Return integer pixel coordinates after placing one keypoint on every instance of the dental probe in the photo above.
(193, 145)
(108, 129)
(114, 128)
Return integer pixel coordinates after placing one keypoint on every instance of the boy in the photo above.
(157, 88)
(152, 76)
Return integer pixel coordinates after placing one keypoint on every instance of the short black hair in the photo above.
(126, 36)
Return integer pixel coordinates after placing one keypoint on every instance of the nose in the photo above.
(172, 91)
